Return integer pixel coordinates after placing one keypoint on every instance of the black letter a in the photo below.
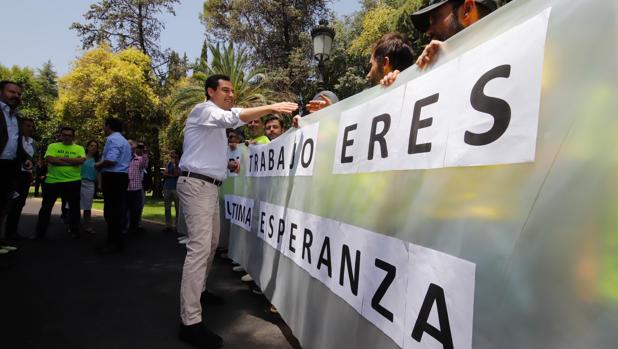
(435, 294)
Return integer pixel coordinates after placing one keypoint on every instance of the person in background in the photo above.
(63, 179)
(114, 165)
(392, 52)
(23, 183)
(440, 20)
(12, 154)
(89, 180)
(135, 190)
(320, 101)
(256, 131)
(40, 172)
(170, 178)
(233, 153)
(273, 126)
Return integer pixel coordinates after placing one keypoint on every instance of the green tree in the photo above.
(275, 31)
(39, 95)
(128, 23)
(103, 84)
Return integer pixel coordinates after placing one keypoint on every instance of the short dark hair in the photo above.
(67, 128)
(397, 48)
(213, 82)
(3, 84)
(27, 120)
(114, 124)
(273, 117)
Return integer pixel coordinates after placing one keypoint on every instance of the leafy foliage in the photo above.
(127, 23)
(39, 94)
(275, 32)
(103, 84)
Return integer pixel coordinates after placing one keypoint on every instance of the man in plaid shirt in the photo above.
(135, 190)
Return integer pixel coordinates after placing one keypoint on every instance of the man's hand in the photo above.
(315, 105)
(28, 164)
(430, 54)
(296, 121)
(283, 107)
(389, 78)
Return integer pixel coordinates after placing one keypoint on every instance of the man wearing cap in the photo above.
(440, 20)
(204, 165)
(320, 101)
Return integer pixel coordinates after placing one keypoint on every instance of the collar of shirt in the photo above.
(6, 109)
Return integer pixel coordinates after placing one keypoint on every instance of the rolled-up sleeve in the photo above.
(213, 116)
(113, 152)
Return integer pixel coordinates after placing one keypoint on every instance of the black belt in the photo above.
(202, 177)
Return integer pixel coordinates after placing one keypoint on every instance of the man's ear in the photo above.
(386, 65)
(468, 13)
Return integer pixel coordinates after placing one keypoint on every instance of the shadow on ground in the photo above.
(61, 293)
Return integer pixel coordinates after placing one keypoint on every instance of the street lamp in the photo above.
(322, 37)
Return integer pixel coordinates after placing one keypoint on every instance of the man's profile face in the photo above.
(376, 73)
(223, 96)
(256, 128)
(11, 95)
(273, 129)
(443, 22)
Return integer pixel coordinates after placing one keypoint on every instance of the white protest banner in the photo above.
(384, 279)
(420, 245)
(239, 210)
(291, 154)
(486, 114)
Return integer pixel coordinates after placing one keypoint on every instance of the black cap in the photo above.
(420, 18)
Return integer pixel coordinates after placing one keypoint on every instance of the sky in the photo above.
(39, 30)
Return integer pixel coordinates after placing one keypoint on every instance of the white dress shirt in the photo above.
(205, 141)
(10, 150)
(28, 144)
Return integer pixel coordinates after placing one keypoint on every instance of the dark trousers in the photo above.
(114, 198)
(8, 177)
(69, 191)
(23, 185)
(135, 205)
(37, 183)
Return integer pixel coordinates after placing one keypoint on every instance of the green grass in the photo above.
(153, 208)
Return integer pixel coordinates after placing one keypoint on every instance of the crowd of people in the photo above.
(191, 181)
(67, 171)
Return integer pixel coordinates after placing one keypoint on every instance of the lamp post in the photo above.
(322, 37)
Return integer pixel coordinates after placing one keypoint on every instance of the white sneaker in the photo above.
(238, 268)
(3, 251)
(9, 248)
(183, 241)
(246, 278)
(256, 291)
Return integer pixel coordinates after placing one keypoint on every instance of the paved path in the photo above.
(62, 294)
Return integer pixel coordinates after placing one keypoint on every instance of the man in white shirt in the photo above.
(204, 165)
(12, 154)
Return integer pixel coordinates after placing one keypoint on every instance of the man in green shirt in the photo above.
(256, 130)
(64, 160)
